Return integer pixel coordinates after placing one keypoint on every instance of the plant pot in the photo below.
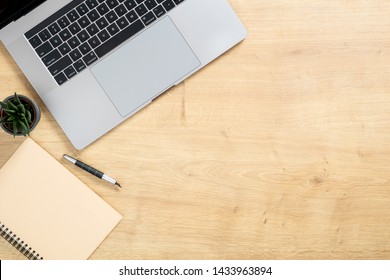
(32, 107)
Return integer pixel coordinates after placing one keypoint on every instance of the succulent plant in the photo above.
(16, 116)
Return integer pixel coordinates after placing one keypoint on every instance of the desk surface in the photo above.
(277, 150)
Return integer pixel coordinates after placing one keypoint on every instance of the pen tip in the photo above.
(118, 184)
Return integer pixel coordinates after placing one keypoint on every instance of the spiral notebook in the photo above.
(48, 213)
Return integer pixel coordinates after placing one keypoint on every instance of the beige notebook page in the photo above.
(49, 208)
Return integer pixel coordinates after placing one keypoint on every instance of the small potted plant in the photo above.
(19, 115)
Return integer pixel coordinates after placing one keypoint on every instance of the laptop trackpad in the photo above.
(146, 66)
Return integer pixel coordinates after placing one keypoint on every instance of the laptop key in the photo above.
(84, 22)
(159, 11)
(122, 22)
(79, 65)
(102, 9)
(35, 41)
(148, 18)
(111, 16)
(75, 54)
(150, 4)
(92, 29)
(168, 5)
(84, 48)
(141, 10)
(65, 34)
(73, 15)
(103, 35)
(63, 22)
(60, 78)
(82, 9)
(74, 42)
(74, 28)
(131, 16)
(122, 36)
(51, 57)
(177, 2)
(90, 58)
(55, 41)
(130, 4)
(112, 3)
(83, 36)
(94, 42)
(102, 23)
(70, 72)
(54, 28)
(91, 3)
(44, 49)
(120, 10)
(44, 35)
(64, 48)
(60, 65)
(93, 15)
(113, 29)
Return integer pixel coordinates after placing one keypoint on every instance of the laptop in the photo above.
(95, 63)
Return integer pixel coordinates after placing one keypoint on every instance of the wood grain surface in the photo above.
(277, 150)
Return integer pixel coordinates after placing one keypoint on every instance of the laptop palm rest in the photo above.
(145, 67)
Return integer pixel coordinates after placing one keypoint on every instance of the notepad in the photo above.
(46, 212)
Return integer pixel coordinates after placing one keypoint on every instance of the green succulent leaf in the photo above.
(15, 127)
(11, 106)
(9, 111)
(22, 108)
(24, 127)
(28, 116)
(3, 105)
(16, 97)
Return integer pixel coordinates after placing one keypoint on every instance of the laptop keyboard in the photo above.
(85, 30)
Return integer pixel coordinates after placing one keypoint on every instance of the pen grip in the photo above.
(89, 169)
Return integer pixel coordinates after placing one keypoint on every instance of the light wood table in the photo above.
(280, 149)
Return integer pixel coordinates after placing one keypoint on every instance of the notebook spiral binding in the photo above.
(20, 245)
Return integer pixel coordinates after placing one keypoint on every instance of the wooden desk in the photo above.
(277, 150)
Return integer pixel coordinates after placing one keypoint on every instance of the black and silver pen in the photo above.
(91, 170)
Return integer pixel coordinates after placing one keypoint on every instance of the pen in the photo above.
(91, 170)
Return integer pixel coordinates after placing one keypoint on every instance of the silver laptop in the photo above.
(95, 63)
